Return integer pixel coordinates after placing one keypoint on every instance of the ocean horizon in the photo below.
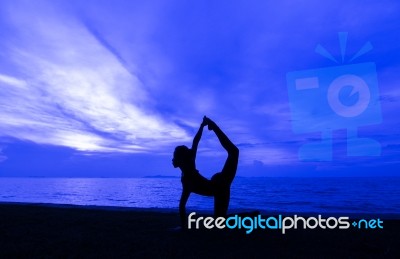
(302, 195)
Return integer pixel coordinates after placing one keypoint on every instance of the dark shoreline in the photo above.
(386, 216)
(48, 230)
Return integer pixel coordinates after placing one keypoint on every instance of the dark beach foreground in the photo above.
(29, 231)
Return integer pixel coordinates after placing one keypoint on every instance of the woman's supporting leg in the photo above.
(221, 201)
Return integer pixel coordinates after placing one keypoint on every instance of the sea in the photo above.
(341, 195)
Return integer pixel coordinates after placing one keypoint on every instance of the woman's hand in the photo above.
(204, 122)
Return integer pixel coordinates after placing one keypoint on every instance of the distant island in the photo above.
(161, 176)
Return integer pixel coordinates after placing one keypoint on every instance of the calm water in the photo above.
(322, 195)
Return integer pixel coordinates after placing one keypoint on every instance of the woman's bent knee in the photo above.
(234, 152)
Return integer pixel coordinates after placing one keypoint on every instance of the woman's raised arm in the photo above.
(197, 137)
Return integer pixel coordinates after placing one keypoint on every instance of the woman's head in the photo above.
(181, 156)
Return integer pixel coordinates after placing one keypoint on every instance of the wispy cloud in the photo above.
(71, 90)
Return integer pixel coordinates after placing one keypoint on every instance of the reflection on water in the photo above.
(323, 195)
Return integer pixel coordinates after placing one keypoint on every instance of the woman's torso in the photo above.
(196, 183)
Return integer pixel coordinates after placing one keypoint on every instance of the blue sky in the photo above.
(109, 88)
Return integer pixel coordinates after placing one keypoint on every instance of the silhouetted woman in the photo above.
(193, 181)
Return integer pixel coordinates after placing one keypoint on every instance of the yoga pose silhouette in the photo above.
(193, 181)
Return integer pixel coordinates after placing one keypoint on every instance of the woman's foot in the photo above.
(210, 123)
(204, 122)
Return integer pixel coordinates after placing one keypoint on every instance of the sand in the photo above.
(35, 230)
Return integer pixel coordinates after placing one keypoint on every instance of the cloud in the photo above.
(71, 90)
(11, 81)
